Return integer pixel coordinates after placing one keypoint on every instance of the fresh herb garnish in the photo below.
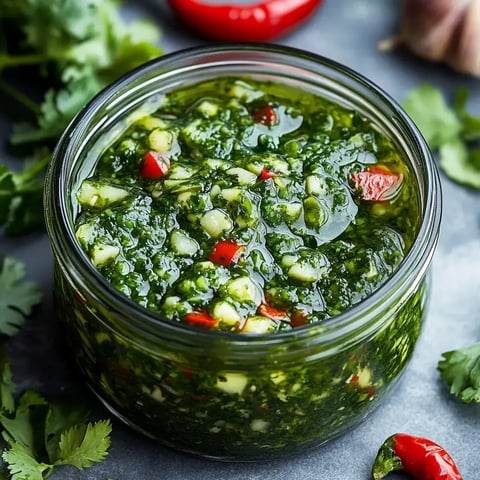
(17, 297)
(450, 131)
(461, 370)
(74, 48)
(41, 435)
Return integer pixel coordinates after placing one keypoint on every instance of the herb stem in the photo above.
(8, 61)
(20, 97)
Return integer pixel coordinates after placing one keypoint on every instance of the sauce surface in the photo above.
(248, 206)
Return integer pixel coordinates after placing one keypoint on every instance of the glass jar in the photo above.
(224, 395)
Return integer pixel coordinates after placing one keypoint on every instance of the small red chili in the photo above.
(417, 456)
(265, 115)
(200, 318)
(377, 183)
(258, 22)
(226, 252)
(154, 165)
(266, 174)
(273, 313)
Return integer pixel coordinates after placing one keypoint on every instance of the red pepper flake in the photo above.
(266, 174)
(200, 318)
(225, 252)
(154, 165)
(273, 313)
(298, 319)
(265, 115)
(377, 183)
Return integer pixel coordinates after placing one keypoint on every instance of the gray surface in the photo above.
(347, 31)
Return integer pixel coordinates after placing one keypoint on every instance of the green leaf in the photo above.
(470, 124)
(460, 164)
(461, 370)
(27, 426)
(22, 465)
(438, 122)
(7, 387)
(83, 445)
(61, 416)
(17, 297)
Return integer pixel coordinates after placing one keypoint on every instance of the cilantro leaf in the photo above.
(460, 164)
(436, 120)
(60, 417)
(17, 297)
(22, 465)
(461, 370)
(470, 123)
(449, 131)
(83, 445)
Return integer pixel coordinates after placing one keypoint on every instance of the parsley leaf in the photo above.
(461, 370)
(449, 131)
(17, 297)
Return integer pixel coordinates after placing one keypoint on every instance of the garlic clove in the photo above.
(441, 30)
(465, 54)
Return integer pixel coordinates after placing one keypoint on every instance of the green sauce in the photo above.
(281, 170)
(278, 186)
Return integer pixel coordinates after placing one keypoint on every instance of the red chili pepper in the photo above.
(200, 318)
(226, 252)
(258, 22)
(154, 165)
(265, 115)
(266, 174)
(377, 183)
(417, 456)
(271, 312)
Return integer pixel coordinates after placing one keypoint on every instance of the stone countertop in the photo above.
(346, 31)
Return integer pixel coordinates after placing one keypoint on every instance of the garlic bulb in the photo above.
(441, 30)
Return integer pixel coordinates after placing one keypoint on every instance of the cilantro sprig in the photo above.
(41, 435)
(74, 48)
(17, 297)
(461, 370)
(450, 131)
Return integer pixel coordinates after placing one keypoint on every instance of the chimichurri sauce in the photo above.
(248, 207)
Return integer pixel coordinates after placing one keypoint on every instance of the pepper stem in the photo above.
(386, 461)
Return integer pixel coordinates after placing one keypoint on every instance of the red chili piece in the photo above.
(154, 165)
(265, 115)
(266, 174)
(377, 183)
(271, 312)
(258, 22)
(226, 252)
(200, 318)
(419, 457)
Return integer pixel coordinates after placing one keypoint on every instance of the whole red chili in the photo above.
(258, 22)
(417, 456)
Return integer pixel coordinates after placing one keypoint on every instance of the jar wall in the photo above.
(207, 404)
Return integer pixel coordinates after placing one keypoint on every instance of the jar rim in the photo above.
(410, 271)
